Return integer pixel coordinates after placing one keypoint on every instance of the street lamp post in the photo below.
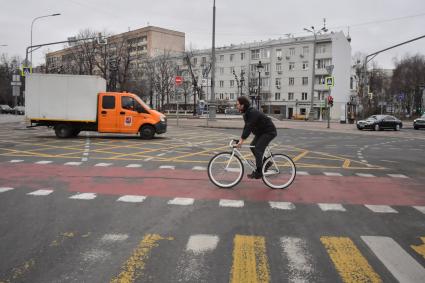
(259, 69)
(315, 33)
(212, 108)
(32, 24)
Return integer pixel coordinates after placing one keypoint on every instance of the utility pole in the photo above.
(212, 107)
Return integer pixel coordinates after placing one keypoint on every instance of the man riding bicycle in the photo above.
(261, 126)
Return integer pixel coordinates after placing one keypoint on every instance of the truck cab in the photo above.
(126, 113)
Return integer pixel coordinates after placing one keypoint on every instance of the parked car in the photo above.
(419, 122)
(231, 111)
(380, 122)
(20, 110)
(4, 108)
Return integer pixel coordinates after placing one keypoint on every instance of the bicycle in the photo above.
(226, 169)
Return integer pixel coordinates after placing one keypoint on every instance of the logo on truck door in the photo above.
(128, 121)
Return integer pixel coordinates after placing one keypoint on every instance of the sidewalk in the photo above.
(10, 118)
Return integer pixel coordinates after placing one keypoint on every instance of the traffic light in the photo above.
(330, 101)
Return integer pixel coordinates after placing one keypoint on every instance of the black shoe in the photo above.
(267, 167)
(255, 175)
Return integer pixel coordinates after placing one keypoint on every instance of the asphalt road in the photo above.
(102, 208)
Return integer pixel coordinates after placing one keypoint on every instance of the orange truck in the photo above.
(73, 103)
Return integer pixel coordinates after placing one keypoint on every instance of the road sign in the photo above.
(330, 81)
(178, 80)
(26, 71)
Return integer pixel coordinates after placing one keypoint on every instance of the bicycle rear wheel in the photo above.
(279, 171)
(225, 170)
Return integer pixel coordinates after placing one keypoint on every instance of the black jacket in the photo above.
(256, 122)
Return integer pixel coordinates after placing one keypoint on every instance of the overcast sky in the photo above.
(374, 24)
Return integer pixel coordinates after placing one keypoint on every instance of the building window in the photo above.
(265, 82)
(242, 56)
(232, 96)
(291, 81)
(291, 51)
(221, 83)
(266, 68)
(232, 69)
(351, 83)
(232, 83)
(290, 96)
(255, 54)
(279, 53)
(231, 57)
(279, 67)
(305, 50)
(291, 66)
(204, 60)
(221, 96)
(221, 58)
(305, 80)
(278, 83)
(320, 48)
(323, 63)
(221, 71)
(302, 111)
(265, 53)
(277, 96)
(305, 65)
(304, 96)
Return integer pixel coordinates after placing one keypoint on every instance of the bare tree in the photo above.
(165, 70)
(8, 67)
(193, 73)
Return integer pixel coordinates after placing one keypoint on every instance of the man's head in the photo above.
(242, 103)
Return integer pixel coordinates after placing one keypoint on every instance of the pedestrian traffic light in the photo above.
(330, 101)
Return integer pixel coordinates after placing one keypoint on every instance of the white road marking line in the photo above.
(5, 189)
(95, 255)
(131, 198)
(84, 196)
(181, 201)
(43, 162)
(103, 164)
(331, 207)
(16, 161)
(111, 238)
(167, 167)
(85, 154)
(84, 159)
(397, 175)
(364, 161)
(73, 163)
(282, 205)
(303, 173)
(202, 243)
(148, 159)
(41, 193)
(420, 208)
(231, 203)
(199, 168)
(381, 208)
(401, 265)
(365, 175)
(134, 165)
(332, 174)
(301, 264)
(161, 154)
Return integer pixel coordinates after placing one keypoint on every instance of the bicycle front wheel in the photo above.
(279, 171)
(225, 170)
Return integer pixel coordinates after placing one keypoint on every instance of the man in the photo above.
(263, 129)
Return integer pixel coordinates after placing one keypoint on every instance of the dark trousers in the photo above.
(261, 142)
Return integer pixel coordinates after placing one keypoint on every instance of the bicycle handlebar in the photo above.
(233, 145)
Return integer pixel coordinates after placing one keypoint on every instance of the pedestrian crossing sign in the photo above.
(330, 81)
(26, 71)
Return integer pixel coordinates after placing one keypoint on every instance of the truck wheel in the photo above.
(75, 132)
(147, 132)
(63, 131)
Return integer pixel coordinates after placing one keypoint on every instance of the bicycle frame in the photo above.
(267, 152)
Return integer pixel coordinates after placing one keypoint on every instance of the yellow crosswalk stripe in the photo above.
(132, 268)
(250, 263)
(348, 260)
(420, 249)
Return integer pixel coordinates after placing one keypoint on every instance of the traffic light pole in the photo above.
(329, 109)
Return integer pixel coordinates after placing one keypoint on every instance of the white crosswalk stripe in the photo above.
(131, 198)
(381, 208)
(103, 164)
(134, 165)
(181, 201)
(420, 208)
(332, 174)
(401, 265)
(167, 167)
(365, 175)
(84, 196)
(73, 163)
(231, 203)
(398, 176)
(41, 193)
(43, 162)
(282, 205)
(5, 189)
(199, 168)
(16, 161)
(300, 261)
(331, 207)
(303, 173)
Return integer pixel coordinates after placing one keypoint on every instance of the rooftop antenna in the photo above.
(324, 25)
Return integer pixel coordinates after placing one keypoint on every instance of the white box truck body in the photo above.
(62, 97)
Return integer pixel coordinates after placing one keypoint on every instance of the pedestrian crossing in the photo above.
(223, 203)
(198, 168)
(156, 257)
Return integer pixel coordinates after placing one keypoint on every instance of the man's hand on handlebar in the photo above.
(240, 142)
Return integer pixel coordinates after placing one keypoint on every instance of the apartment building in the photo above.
(286, 76)
(146, 42)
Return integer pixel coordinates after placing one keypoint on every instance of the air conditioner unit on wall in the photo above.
(287, 57)
(266, 73)
(278, 86)
(279, 72)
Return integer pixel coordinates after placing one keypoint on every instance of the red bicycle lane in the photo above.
(195, 184)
